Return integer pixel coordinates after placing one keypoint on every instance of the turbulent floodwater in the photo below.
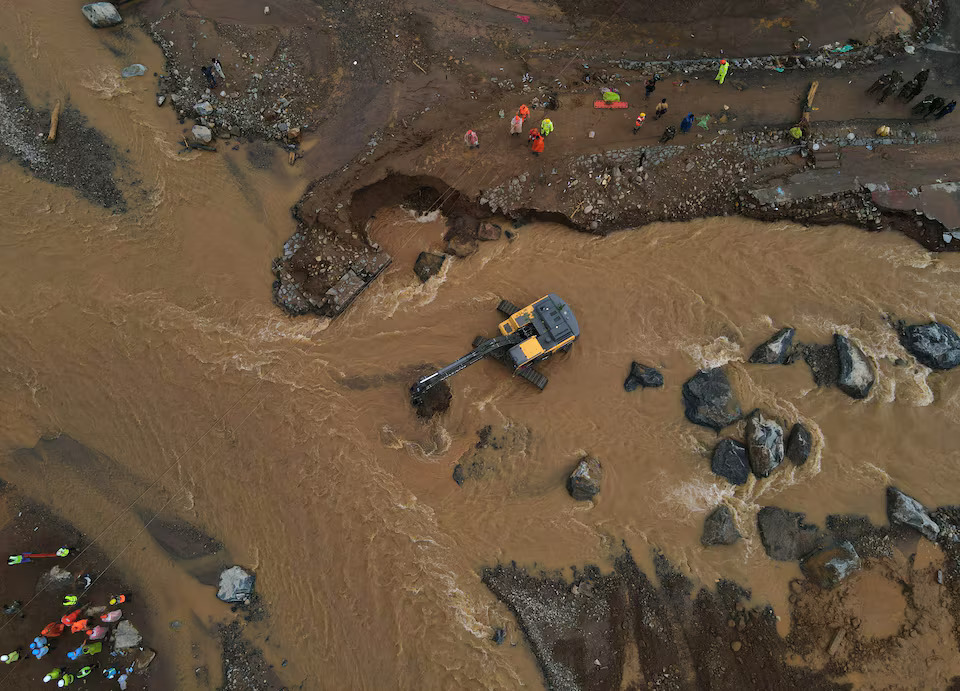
(150, 336)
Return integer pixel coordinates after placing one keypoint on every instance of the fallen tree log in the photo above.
(54, 121)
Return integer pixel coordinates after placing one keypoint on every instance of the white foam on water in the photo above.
(716, 353)
(386, 302)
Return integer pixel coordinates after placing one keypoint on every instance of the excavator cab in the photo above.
(528, 335)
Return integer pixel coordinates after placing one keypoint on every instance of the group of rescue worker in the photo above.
(83, 620)
(536, 136)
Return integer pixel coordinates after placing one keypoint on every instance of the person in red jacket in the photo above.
(524, 112)
(536, 142)
(53, 629)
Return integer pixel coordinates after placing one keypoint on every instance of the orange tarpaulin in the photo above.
(615, 104)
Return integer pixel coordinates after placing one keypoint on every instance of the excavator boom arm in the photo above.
(486, 348)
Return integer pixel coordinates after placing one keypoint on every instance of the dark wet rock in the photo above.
(489, 231)
(776, 350)
(784, 535)
(730, 461)
(856, 372)
(436, 400)
(144, 659)
(126, 636)
(642, 375)
(499, 636)
(236, 585)
(830, 565)
(904, 510)
(764, 444)
(709, 400)
(799, 444)
(203, 109)
(427, 265)
(101, 14)
(584, 633)
(496, 452)
(719, 528)
(823, 361)
(179, 539)
(458, 474)
(584, 482)
(461, 246)
(935, 345)
(870, 541)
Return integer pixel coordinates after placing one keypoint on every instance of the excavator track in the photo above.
(507, 308)
(533, 376)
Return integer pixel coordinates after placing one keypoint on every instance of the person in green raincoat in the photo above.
(722, 74)
(546, 126)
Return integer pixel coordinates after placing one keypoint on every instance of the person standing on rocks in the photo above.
(946, 110)
(218, 68)
(546, 126)
(536, 142)
(722, 73)
(516, 125)
(686, 123)
(661, 109)
(640, 120)
(471, 139)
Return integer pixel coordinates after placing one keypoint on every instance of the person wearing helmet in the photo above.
(546, 126)
(722, 73)
(640, 119)
(52, 675)
(523, 112)
(536, 142)
(662, 108)
(471, 139)
(70, 600)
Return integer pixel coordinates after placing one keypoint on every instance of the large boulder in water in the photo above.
(427, 265)
(935, 345)
(101, 14)
(776, 350)
(856, 373)
(764, 444)
(784, 535)
(236, 585)
(642, 375)
(828, 566)
(126, 636)
(799, 444)
(709, 400)
(904, 510)
(584, 482)
(719, 528)
(730, 461)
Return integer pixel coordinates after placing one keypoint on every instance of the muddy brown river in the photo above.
(151, 337)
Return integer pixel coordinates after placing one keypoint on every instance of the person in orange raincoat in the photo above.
(536, 142)
(524, 112)
(79, 625)
(68, 619)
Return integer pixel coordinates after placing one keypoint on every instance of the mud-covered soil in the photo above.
(81, 157)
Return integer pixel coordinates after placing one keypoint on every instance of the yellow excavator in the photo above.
(527, 336)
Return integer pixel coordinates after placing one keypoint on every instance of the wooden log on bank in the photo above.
(54, 121)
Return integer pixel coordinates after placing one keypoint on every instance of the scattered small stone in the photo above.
(203, 109)
(735, 646)
(831, 565)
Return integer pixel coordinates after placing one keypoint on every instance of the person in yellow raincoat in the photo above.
(546, 126)
(722, 74)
